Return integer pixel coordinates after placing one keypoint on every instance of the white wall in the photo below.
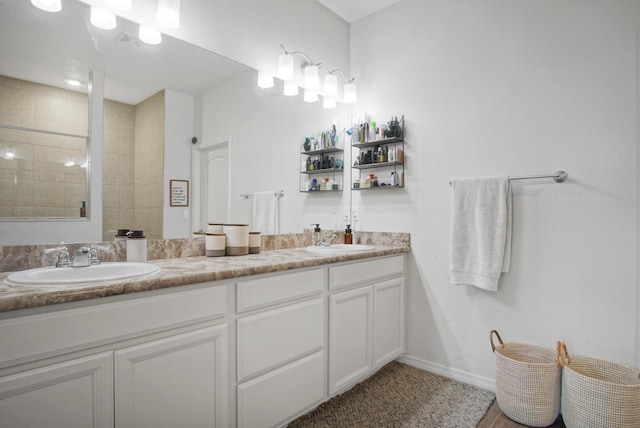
(266, 131)
(178, 131)
(501, 87)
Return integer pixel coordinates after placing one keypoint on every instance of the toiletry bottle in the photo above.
(348, 236)
(83, 209)
(316, 233)
(393, 178)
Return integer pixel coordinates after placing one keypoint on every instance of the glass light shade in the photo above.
(328, 103)
(330, 85)
(311, 80)
(149, 35)
(285, 67)
(290, 88)
(310, 96)
(102, 19)
(120, 5)
(350, 96)
(265, 80)
(48, 5)
(169, 13)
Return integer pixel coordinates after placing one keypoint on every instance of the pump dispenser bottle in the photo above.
(348, 236)
(316, 234)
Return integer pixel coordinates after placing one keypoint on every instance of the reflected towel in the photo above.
(265, 212)
(480, 231)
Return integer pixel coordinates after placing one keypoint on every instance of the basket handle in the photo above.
(491, 334)
(562, 355)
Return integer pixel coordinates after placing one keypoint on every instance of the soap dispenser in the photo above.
(316, 234)
(348, 236)
(83, 209)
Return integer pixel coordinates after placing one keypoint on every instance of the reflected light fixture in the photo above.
(149, 35)
(310, 72)
(310, 96)
(102, 18)
(290, 88)
(119, 5)
(10, 153)
(265, 80)
(73, 82)
(48, 5)
(169, 13)
(328, 103)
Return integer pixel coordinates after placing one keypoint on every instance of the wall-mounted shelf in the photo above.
(321, 170)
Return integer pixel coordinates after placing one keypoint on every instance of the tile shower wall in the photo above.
(36, 182)
(149, 165)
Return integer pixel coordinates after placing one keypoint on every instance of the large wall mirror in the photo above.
(43, 122)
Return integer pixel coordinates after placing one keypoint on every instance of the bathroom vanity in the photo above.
(251, 341)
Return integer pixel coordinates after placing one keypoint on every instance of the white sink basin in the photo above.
(343, 248)
(53, 276)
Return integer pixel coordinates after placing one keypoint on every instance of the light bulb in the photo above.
(265, 80)
(310, 96)
(149, 35)
(169, 13)
(350, 96)
(330, 85)
(311, 80)
(102, 19)
(290, 88)
(120, 5)
(328, 103)
(285, 67)
(48, 5)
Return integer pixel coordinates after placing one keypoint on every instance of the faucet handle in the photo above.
(63, 255)
(93, 253)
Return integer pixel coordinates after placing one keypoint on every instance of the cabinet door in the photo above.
(73, 394)
(350, 325)
(388, 321)
(179, 381)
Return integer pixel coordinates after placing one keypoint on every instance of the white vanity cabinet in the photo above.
(280, 347)
(157, 359)
(366, 319)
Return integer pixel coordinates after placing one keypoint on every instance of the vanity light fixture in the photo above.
(265, 80)
(310, 72)
(169, 13)
(102, 18)
(48, 5)
(149, 36)
(120, 5)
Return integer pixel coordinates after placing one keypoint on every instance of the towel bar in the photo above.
(558, 176)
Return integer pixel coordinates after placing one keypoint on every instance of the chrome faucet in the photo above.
(86, 256)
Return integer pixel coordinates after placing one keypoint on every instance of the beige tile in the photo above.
(49, 194)
(17, 102)
(51, 109)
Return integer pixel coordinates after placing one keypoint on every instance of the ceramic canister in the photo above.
(255, 242)
(215, 244)
(237, 239)
(136, 246)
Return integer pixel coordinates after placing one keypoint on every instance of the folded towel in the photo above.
(265, 212)
(480, 231)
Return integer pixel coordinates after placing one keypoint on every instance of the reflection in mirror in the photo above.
(43, 150)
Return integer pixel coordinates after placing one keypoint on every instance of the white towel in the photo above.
(480, 231)
(265, 212)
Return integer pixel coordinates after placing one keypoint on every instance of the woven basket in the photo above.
(598, 393)
(528, 382)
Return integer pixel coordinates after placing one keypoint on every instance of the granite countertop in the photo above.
(183, 271)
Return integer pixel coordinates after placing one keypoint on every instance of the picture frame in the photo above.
(179, 193)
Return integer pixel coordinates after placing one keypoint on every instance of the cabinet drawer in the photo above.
(273, 338)
(259, 293)
(277, 397)
(364, 272)
(105, 323)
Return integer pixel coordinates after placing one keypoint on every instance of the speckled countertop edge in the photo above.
(176, 272)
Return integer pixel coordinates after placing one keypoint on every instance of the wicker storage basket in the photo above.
(528, 382)
(598, 393)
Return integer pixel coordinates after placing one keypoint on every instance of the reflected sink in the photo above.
(342, 248)
(53, 276)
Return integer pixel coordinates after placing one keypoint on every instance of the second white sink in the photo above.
(56, 276)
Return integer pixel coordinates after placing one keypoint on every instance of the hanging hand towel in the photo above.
(265, 212)
(480, 231)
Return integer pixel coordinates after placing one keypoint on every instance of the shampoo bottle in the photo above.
(348, 236)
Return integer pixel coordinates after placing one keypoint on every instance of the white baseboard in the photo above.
(459, 375)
